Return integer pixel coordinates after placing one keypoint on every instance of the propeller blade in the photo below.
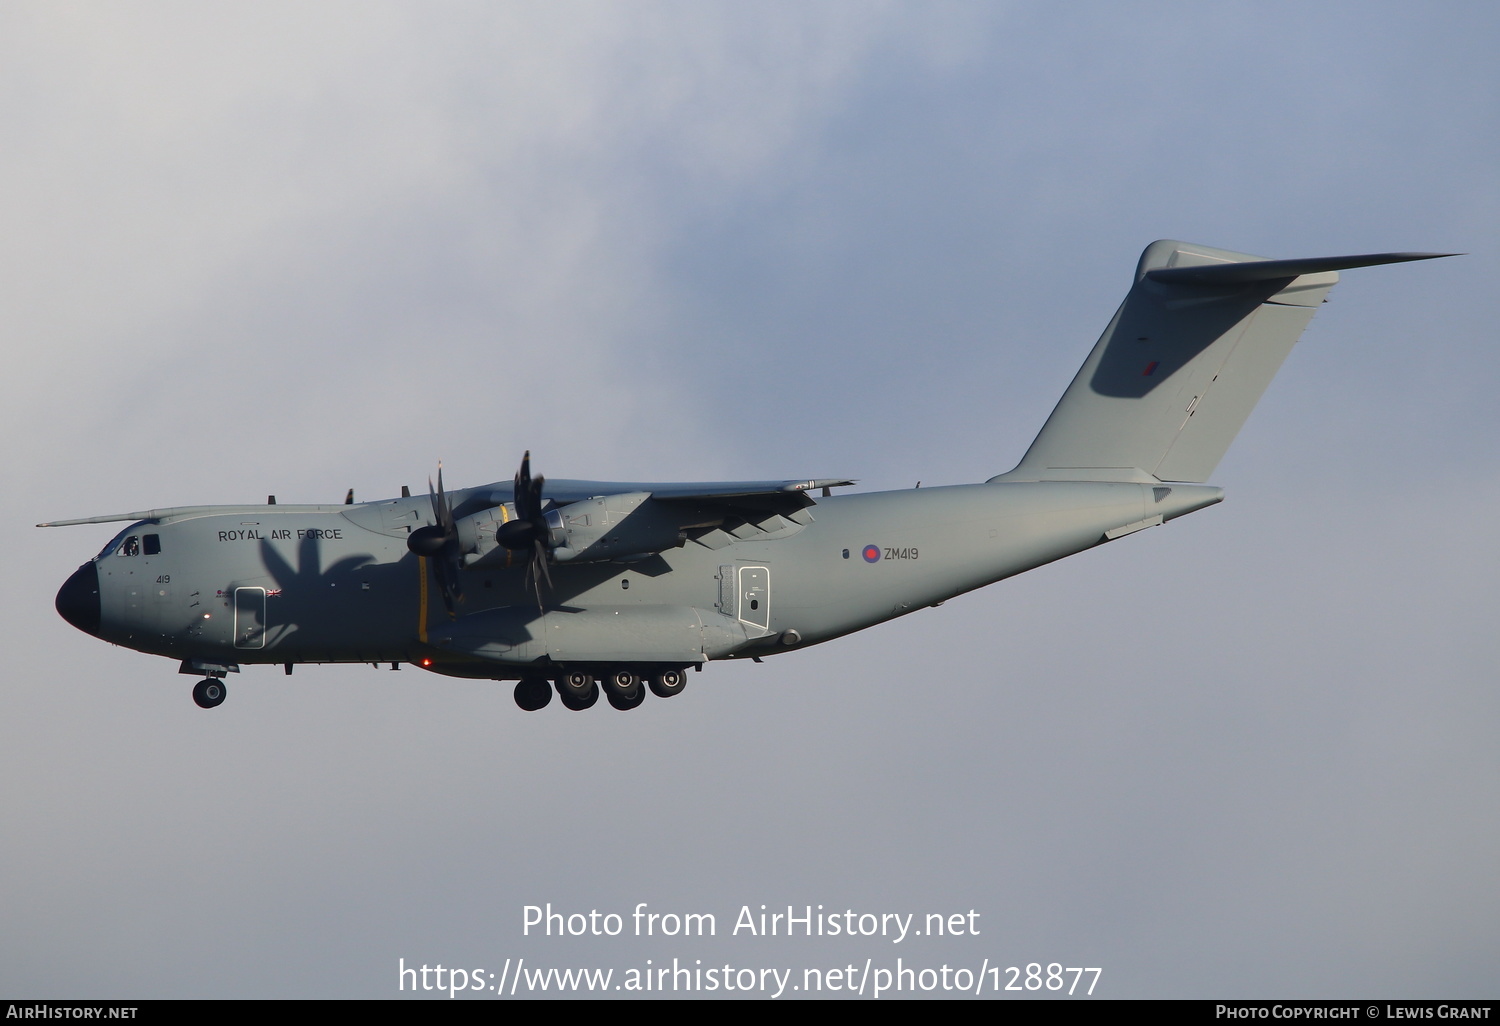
(529, 530)
(541, 561)
(523, 489)
(439, 543)
(440, 507)
(538, 562)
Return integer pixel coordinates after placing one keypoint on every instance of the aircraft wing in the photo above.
(750, 495)
(712, 513)
(720, 492)
(716, 513)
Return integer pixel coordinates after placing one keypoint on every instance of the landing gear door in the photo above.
(755, 596)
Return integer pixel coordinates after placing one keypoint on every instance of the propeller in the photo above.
(439, 543)
(528, 532)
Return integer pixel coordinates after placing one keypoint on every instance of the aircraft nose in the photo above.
(78, 599)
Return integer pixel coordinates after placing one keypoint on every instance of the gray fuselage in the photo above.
(292, 584)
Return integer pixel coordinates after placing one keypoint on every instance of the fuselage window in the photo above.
(131, 547)
(152, 543)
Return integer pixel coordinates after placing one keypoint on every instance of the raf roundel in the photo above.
(871, 553)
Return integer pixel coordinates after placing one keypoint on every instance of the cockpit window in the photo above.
(114, 544)
(127, 543)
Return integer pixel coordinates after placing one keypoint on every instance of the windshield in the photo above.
(117, 541)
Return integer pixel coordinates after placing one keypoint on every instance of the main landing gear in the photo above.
(668, 683)
(209, 692)
(625, 689)
(577, 690)
(533, 693)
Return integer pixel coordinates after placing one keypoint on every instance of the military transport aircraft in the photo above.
(569, 584)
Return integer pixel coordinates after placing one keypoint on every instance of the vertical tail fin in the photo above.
(1177, 372)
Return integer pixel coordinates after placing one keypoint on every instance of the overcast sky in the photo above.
(292, 249)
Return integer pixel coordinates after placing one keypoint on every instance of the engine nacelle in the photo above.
(613, 527)
(605, 527)
(476, 535)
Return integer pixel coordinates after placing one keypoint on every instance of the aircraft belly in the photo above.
(520, 635)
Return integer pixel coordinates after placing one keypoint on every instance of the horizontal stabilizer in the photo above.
(1270, 270)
